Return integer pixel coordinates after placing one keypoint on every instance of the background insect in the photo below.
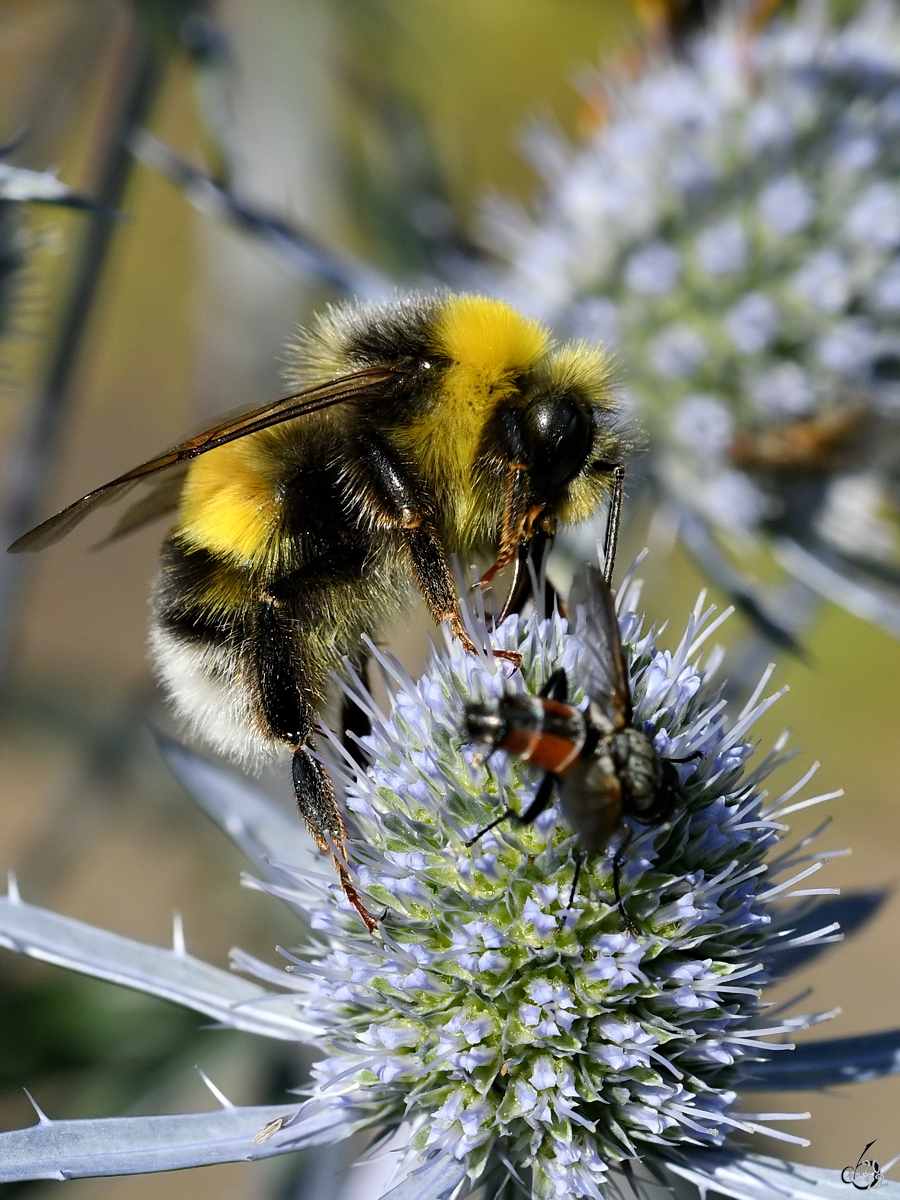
(422, 427)
(603, 767)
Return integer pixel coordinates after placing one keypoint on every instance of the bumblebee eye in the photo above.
(560, 432)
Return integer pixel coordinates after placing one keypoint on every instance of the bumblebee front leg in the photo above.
(509, 457)
(521, 590)
(291, 718)
(399, 502)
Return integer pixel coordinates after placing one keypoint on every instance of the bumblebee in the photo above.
(603, 766)
(419, 428)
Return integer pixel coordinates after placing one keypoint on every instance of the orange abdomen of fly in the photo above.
(545, 733)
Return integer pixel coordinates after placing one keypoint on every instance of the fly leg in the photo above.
(617, 864)
(580, 860)
(543, 797)
(291, 718)
(556, 687)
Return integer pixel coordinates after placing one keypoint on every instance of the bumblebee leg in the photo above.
(318, 807)
(436, 584)
(515, 515)
(543, 797)
(291, 718)
(520, 513)
(400, 502)
(521, 589)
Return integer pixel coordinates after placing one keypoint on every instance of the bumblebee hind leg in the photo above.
(319, 809)
(291, 718)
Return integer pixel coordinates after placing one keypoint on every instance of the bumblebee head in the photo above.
(574, 429)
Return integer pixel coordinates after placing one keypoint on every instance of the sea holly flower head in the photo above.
(513, 1025)
(731, 231)
(502, 1029)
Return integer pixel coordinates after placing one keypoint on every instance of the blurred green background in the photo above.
(376, 126)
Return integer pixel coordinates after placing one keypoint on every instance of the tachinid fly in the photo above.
(602, 766)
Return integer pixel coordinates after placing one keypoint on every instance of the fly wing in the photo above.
(591, 798)
(592, 600)
(276, 412)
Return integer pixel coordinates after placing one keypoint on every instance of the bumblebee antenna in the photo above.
(613, 522)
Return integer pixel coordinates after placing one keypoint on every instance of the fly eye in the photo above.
(561, 440)
(483, 724)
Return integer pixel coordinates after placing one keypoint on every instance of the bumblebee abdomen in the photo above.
(211, 635)
(253, 502)
(231, 504)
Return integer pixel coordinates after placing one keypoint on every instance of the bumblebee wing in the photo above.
(348, 387)
(593, 596)
(162, 499)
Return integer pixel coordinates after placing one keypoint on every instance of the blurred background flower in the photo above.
(349, 145)
(731, 230)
